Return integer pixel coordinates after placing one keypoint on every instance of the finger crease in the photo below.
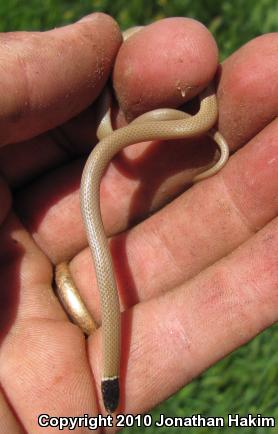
(242, 217)
(61, 139)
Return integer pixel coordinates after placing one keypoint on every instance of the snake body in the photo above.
(161, 124)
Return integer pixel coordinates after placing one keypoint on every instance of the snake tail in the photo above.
(110, 389)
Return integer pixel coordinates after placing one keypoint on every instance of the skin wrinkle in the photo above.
(242, 217)
(190, 257)
(269, 240)
(164, 239)
(254, 264)
(174, 335)
(61, 139)
(155, 245)
(264, 145)
(178, 333)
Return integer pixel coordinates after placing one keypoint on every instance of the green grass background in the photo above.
(247, 380)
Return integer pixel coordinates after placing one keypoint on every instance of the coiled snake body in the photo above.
(161, 124)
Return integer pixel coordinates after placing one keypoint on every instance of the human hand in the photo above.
(198, 287)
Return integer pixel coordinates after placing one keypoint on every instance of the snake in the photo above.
(158, 124)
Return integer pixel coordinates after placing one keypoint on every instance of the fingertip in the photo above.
(106, 22)
(248, 90)
(163, 65)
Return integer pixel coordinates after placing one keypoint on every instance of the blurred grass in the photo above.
(246, 381)
(231, 22)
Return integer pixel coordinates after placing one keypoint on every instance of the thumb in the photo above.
(49, 77)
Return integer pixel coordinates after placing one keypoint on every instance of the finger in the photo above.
(169, 340)
(163, 65)
(39, 206)
(248, 90)
(49, 77)
(201, 226)
(52, 353)
(22, 162)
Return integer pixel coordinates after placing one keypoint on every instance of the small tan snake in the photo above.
(160, 124)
